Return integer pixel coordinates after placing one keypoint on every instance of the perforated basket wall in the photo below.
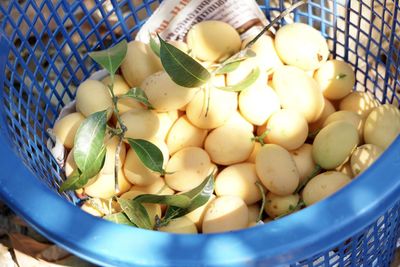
(47, 59)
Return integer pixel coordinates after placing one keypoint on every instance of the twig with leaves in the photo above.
(90, 149)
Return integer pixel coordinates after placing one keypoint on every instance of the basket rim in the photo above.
(277, 243)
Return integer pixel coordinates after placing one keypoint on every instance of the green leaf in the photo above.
(233, 62)
(89, 143)
(180, 201)
(198, 197)
(139, 95)
(95, 167)
(247, 82)
(150, 155)
(111, 58)
(183, 70)
(119, 218)
(70, 182)
(77, 179)
(240, 56)
(136, 213)
(154, 46)
(228, 68)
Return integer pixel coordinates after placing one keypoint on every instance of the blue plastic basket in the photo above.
(41, 63)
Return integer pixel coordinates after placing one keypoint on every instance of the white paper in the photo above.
(173, 18)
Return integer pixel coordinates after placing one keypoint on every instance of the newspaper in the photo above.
(173, 18)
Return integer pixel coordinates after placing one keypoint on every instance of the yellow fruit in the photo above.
(258, 102)
(184, 134)
(93, 96)
(304, 161)
(141, 124)
(314, 127)
(187, 169)
(324, 185)
(226, 213)
(221, 106)
(336, 79)
(239, 180)
(197, 215)
(361, 103)
(276, 205)
(266, 55)
(277, 170)
(140, 62)
(213, 40)
(301, 45)
(382, 126)
(65, 129)
(287, 128)
(164, 94)
(350, 117)
(229, 144)
(334, 144)
(298, 91)
(181, 225)
(253, 155)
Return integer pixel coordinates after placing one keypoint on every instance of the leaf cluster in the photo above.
(135, 214)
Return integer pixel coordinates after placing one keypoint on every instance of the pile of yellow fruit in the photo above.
(294, 136)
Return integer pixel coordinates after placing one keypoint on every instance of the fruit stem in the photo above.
(115, 106)
(260, 138)
(272, 23)
(117, 164)
(120, 134)
(262, 192)
(314, 173)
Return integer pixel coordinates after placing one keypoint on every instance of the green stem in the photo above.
(117, 164)
(262, 192)
(260, 138)
(314, 173)
(120, 133)
(272, 23)
(115, 105)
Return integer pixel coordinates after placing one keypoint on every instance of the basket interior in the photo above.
(47, 60)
